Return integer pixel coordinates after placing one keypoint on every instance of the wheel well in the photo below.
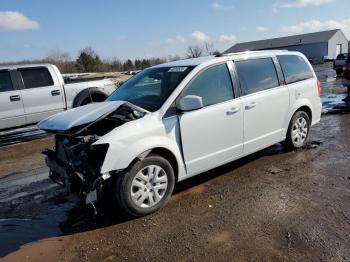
(307, 110)
(84, 96)
(96, 97)
(168, 155)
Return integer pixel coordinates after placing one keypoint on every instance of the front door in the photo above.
(42, 95)
(11, 106)
(265, 103)
(212, 135)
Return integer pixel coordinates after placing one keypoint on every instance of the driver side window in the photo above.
(214, 85)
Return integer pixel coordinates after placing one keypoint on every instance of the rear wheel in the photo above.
(146, 186)
(298, 131)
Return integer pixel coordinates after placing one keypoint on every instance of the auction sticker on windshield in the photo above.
(178, 69)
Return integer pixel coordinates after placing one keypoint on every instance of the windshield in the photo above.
(151, 87)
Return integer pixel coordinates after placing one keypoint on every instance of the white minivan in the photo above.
(179, 119)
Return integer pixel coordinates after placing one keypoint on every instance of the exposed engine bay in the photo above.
(75, 162)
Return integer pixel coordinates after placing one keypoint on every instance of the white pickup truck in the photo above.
(30, 93)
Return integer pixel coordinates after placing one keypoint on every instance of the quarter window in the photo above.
(256, 75)
(294, 68)
(5, 81)
(214, 85)
(36, 77)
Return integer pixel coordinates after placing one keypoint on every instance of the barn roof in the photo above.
(279, 42)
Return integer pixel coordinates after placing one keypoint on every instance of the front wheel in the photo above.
(298, 131)
(146, 186)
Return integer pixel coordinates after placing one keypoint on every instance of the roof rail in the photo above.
(251, 52)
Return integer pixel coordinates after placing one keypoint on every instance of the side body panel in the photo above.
(264, 117)
(212, 135)
(130, 142)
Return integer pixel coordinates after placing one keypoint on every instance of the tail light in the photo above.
(319, 90)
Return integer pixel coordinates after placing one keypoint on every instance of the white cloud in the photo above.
(217, 6)
(300, 4)
(227, 38)
(12, 20)
(200, 37)
(176, 40)
(261, 29)
(316, 25)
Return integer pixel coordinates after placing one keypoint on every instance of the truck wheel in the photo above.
(146, 186)
(298, 131)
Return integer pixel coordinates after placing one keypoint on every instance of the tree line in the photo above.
(89, 61)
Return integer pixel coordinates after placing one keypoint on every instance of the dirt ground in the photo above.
(23, 157)
(271, 206)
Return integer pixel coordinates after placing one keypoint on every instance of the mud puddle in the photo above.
(335, 103)
(32, 208)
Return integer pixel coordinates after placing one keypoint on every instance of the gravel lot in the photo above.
(270, 206)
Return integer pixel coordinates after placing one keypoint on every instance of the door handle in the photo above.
(250, 106)
(233, 111)
(15, 98)
(55, 92)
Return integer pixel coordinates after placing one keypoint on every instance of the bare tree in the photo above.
(208, 48)
(194, 51)
(174, 58)
(61, 59)
(58, 56)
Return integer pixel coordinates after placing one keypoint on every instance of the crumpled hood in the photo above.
(79, 116)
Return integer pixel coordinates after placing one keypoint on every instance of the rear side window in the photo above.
(213, 85)
(294, 68)
(5, 81)
(36, 77)
(256, 75)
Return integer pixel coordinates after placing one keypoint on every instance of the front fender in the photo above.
(121, 154)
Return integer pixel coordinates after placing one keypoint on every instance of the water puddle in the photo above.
(32, 208)
(335, 103)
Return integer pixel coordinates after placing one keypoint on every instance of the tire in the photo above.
(339, 72)
(136, 189)
(298, 131)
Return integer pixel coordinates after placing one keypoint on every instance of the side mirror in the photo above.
(190, 102)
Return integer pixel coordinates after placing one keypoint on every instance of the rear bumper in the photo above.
(317, 114)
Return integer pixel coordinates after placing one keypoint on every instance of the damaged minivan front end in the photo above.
(75, 162)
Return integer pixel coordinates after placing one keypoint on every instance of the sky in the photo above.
(30, 29)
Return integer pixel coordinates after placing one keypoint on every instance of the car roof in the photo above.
(14, 66)
(225, 57)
